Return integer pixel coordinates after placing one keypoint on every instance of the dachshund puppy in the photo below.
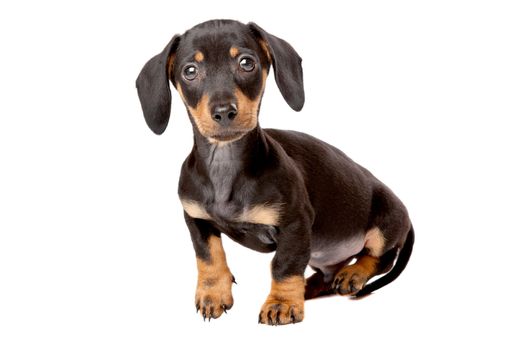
(269, 190)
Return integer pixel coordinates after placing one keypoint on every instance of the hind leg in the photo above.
(350, 279)
(320, 283)
(317, 287)
(390, 226)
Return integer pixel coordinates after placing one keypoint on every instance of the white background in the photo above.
(94, 253)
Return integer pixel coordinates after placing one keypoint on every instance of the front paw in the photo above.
(285, 304)
(214, 297)
(276, 312)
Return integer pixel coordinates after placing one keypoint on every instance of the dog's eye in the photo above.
(247, 64)
(190, 72)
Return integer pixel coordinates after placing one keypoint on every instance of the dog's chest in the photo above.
(229, 200)
(254, 226)
(223, 173)
(230, 195)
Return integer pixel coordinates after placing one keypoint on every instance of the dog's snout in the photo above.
(224, 113)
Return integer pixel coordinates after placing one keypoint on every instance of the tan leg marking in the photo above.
(195, 210)
(375, 242)
(352, 278)
(265, 214)
(214, 284)
(285, 303)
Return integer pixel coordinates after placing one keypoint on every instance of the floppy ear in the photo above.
(154, 90)
(286, 66)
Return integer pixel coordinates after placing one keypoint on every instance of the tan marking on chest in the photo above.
(265, 214)
(375, 242)
(195, 210)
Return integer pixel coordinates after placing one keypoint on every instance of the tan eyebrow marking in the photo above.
(199, 56)
(234, 51)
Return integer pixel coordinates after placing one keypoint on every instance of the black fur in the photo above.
(326, 199)
(154, 91)
(286, 66)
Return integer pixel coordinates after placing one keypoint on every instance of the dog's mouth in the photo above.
(228, 135)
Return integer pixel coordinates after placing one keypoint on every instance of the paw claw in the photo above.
(275, 313)
(278, 317)
(292, 315)
(213, 301)
(285, 303)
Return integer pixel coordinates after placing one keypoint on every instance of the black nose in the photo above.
(224, 113)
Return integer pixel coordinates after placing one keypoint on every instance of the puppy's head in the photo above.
(219, 69)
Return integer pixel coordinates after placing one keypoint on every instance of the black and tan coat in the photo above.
(270, 190)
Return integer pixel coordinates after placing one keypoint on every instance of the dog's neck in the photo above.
(224, 162)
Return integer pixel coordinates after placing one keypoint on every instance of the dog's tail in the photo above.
(401, 263)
